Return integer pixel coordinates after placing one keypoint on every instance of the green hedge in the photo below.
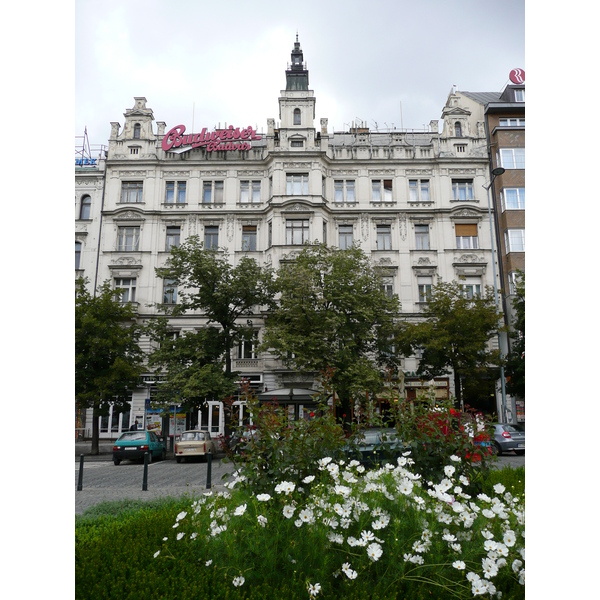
(115, 545)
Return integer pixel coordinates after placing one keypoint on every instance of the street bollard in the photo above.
(208, 470)
(145, 481)
(80, 480)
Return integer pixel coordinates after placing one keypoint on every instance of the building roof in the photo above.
(482, 97)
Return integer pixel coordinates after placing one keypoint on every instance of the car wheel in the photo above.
(519, 452)
(117, 461)
(178, 459)
(496, 448)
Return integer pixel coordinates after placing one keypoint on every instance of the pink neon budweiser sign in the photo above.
(220, 139)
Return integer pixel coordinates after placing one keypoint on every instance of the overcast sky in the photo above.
(390, 63)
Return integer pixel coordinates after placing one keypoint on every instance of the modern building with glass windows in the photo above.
(413, 200)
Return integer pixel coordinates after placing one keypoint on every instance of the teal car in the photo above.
(132, 445)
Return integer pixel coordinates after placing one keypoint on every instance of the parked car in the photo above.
(508, 438)
(133, 445)
(377, 443)
(193, 444)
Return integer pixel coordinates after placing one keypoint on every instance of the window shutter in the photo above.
(466, 229)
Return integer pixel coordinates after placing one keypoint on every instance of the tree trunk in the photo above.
(95, 431)
(458, 389)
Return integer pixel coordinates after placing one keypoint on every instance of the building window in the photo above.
(466, 236)
(77, 254)
(462, 189)
(137, 131)
(418, 190)
(297, 184)
(169, 291)
(512, 199)
(173, 237)
(270, 234)
(296, 232)
(382, 190)
(512, 158)
(424, 284)
(249, 238)
(422, 237)
(212, 192)
(128, 239)
(126, 285)
(461, 148)
(211, 237)
(297, 116)
(344, 190)
(512, 122)
(249, 192)
(86, 207)
(346, 233)
(519, 95)
(514, 277)
(248, 348)
(132, 191)
(457, 129)
(134, 150)
(387, 285)
(175, 192)
(384, 237)
(514, 239)
(297, 143)
(471, 287)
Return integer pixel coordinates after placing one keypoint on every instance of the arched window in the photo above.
(457, 129)
(296, 116)
(77, 254)
(137, 129)
(86, 207)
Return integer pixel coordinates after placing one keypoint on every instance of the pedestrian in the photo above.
(134, 426)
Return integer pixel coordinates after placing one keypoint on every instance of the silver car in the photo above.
(508, 438)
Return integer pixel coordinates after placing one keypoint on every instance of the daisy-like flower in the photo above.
(156, 553)
(262, 521)
(323, 462)
(516, 565)
(374, 551)
(489, 545)
(489, 514)
(180, 535)
(310, 479)
(181, 515)
(288, 511)
(194, 535)
(459, 564)
(490, 569)
(455, 458)
(314, 590)
(479, 587)
(510, 538)
(263, 497)
(499, 488)
(240, 510)
(381, 523)
(449, 470)
(448, 537)
(285, 487)
(336, 538)
(238, 581)
(307, 516)
(208, 563)
(348, 571)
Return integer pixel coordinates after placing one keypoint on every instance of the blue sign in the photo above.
(85, 162)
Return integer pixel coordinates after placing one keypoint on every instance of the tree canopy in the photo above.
(333, 314)
(454, 334)
(108, 359)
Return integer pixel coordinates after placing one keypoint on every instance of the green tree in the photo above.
(454, 335)
(191, 365)
(333, 315)
(515, 360)
(224, 294)
(108, 359)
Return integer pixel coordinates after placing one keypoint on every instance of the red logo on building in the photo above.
(517, 76)
(220, 139)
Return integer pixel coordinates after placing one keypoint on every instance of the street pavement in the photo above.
(102, 481)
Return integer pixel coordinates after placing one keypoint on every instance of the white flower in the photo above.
(499, 488)
(479, 587)
(337, 538)
(263, 497)
(313, 590)
(374, 551)
(156, 553)
(368, 536)
(181, 515)
(522, 576)
(307, 516)
(459, 564)
(517, 564)
(180, 535)
(487, 534)
(448, 537)
(285, 487)
(486, 512)
(323, 462)
(310, 479)
(262, 521)
(194, 535)
(238, 581)
(490, 545)
(455, 458)
(472, 576)
(509, 538)
(350, 573)
(449, 470)
(288, 511)
(208, 563)
(484, 497)
(240, 510)
(463, 480)
(490, 569)
(381, 522)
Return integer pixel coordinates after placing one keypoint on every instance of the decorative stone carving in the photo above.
(364, 224)
(402, 225)
(230, 225)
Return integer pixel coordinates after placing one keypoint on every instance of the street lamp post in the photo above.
(495, 172)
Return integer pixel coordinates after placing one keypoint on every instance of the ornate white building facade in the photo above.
(414, 201)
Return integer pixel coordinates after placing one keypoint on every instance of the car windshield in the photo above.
(189, 436)
(512, 429)
(133, 436)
